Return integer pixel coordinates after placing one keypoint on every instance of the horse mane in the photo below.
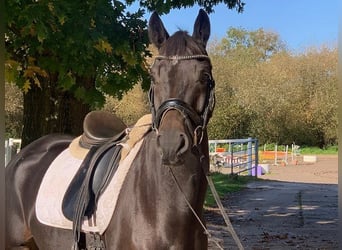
(182, 44)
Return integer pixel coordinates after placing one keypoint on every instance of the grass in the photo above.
(331, 150)
(304, 149)
(225, 184)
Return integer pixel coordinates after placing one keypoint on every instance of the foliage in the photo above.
(131, 107)
(13, 111)
(166, 6)
(225, 184)
(264, 91)
(258, 45)
(67, 39)
(67, 56)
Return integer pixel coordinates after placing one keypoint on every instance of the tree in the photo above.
(131, 107)
(277, 97)
(256, 46)
(165, 6)
(318, 83)
(66, 56)
(13, 111)
(235, 62)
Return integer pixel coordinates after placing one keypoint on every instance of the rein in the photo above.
(206, 231)
(229, 225)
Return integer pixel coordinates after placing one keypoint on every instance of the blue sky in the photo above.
(300, 23)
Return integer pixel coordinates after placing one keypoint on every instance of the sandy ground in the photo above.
(291, 207)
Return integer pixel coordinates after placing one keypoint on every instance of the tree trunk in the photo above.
(48, 109)
(71, 114)
(38, 114)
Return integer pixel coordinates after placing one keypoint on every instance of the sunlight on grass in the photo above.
(225, 184)
(317, 150)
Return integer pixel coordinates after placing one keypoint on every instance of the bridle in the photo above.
(196, 122)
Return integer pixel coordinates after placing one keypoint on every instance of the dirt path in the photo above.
(293, 207)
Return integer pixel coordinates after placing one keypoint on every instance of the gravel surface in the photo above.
(291, 207)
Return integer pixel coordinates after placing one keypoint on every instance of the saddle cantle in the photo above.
(99, 127)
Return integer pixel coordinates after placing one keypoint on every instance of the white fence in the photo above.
(240, 155)
(12, 147)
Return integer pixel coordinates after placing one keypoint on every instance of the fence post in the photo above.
(11, 149)
(231, 161)
(249, 154)
(256, 150)
(6, 152)
(287, 150)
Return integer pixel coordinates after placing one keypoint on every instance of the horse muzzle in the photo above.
(178, 129)
(173, 145)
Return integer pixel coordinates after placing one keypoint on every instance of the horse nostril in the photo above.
(172, 146)
(183, 144)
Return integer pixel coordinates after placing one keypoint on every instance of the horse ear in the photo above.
(202, 27)
(156, 31)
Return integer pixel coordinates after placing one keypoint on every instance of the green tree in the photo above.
(318, 83)
(277, 96)
(67, 55)
(164, 6)
(235, 63)
(13, 111)
(133, 105)
(255, 46)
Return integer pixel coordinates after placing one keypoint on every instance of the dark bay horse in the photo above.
(160, 205)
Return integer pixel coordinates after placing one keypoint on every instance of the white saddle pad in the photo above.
(56, 181)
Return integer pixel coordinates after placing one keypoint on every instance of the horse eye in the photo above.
(206, 78)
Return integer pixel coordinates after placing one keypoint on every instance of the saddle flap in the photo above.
(91, 179)
(71, 195)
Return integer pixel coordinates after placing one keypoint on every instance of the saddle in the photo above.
(102, 133)
(106, 140)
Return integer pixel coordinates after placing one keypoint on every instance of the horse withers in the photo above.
(160, 205)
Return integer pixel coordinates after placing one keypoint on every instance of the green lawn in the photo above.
(318, 151)
(225, 184)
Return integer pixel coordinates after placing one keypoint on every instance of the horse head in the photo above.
(182, 89)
